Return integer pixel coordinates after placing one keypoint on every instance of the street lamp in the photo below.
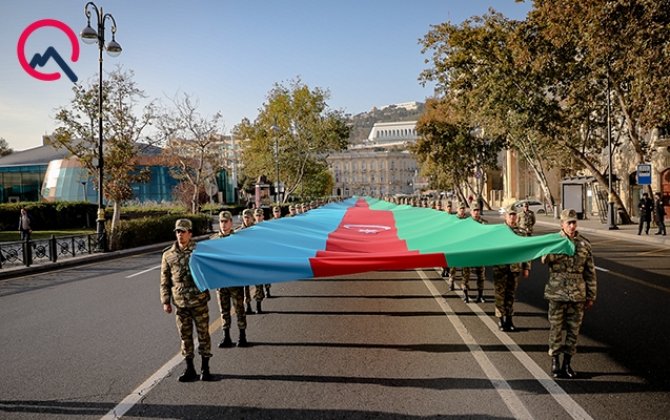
(275, 131)
(90, 36)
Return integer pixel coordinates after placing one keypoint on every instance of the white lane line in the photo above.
(602, 269)
(142, 272)
(557, 393)
(141, 391)
(503, 388)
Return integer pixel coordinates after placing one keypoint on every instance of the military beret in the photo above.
(461, 205)
(225, 215)
(248, 213)
(183, 225)
(568, 215)
(258, 212)
(510, 209)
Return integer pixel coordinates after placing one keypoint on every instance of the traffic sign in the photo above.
(644, 174)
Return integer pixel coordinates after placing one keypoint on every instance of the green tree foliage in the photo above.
(296, 129)
(4, 148)
(450, 150)
(193, 146)
(121, 131)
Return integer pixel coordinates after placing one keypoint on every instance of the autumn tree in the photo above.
(4, 148)
(296, 130)
(122, 129)
(193, 145)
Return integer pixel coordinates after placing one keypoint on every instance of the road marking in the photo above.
(142, 272)
(557, 393)
(602, 269)
(503, 388)
(138, 394)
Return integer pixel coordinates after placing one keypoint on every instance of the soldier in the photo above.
(291, 211)
(461, 214)
(506, 279)
(527, 219)
(247, 221)
(228, 294)
(178, 287)
(476, 214)
(570, 290)
(259, 294)
(447, 208)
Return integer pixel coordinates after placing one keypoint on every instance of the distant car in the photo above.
(533, 205)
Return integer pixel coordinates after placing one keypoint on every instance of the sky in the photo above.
(227, 54)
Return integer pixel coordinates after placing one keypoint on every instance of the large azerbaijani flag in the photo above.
(360, 235)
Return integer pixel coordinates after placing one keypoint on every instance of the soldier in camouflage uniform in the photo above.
(461, 214)
(230, 294)
(570, 290)
(476, 214)
(259, 294)
(178, 287)
(247, 221)
(527, 219)
(506, 279)
(292, 211)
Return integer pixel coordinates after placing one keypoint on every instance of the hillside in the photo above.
(362, 123)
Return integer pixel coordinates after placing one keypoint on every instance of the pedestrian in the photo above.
(527, 219)
(506, 279)
(476, 215)
(247, 221)
(645, 208)
(461, 214)
(570, 290)
(230, 297)
(178, 288)
(25, 225)
(659, 213)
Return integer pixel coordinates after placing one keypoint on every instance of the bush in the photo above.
(152, 230)
(49, 216)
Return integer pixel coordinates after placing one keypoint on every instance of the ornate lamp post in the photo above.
(90, 36)
(278, 196)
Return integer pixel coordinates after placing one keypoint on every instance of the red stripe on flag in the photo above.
(367, 240)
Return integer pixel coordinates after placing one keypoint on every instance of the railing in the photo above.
(27, 253)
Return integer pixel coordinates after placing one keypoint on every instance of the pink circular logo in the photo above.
(41, 59)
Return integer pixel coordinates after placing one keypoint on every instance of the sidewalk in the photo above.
(593, 226)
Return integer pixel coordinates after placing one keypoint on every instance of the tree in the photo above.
(193, 145)
(4, 148)
(295, 130)
(122, 129)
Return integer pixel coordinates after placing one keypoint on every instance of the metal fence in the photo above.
(27, 253)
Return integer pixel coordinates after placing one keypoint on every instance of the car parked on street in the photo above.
(536, 206)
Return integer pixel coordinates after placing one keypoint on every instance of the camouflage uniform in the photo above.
(527, 221)
(570, 290)
(228, 294)
(452, 270)
(479, 271)
(178, 286)
(572, 281)
(505, 281)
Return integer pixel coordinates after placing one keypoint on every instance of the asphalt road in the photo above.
(90, 340)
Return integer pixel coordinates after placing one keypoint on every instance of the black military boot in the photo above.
(189, 374)
(509, 324)
(248, 310)
(445, 272)
(204, 374)
(267, 292)
(480, 296)
(226, 342)
(502, 321)
(466, 298)
(242, 342)
(556, 366)
(566, 370)
(258, 307)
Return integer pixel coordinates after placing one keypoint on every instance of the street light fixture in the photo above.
(611, 219)
(275, 131)
(90, 36)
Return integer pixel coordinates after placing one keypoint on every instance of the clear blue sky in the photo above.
(229, 54)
